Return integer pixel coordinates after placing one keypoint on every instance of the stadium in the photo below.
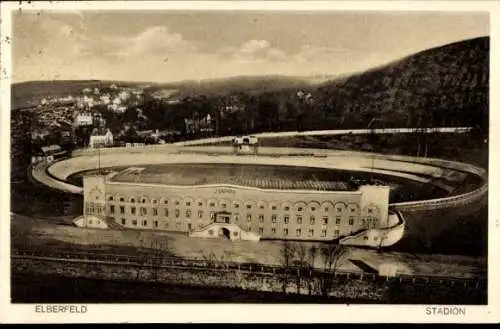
(354, 198)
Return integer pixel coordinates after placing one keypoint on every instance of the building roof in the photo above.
(100, 132)
(52, 149)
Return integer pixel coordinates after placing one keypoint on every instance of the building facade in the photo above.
(104, 140)
(245, 145)
(240, 212)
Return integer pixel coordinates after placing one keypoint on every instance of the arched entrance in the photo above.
(224, 233)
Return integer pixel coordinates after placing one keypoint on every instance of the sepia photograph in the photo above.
(218, 156)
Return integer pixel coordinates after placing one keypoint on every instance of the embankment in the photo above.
(342, 288)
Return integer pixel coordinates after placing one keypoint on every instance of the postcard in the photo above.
(221, 161)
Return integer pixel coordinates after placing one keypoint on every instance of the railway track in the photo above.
(165, 262)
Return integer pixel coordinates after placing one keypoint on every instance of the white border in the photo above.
(239, 313)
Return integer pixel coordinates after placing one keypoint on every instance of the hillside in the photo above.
(231, 85)
(26, 94)
(442, 86)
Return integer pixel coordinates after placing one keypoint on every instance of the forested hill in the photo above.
(444, 86)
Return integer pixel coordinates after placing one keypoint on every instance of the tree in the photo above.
(305, 259)
(331, 254)
(287, 252)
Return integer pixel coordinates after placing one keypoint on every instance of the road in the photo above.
(381, 131)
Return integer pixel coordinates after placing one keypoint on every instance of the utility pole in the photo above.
(98, 158)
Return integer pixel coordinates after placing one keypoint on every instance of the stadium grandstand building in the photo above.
(245, 144)
(243, 209)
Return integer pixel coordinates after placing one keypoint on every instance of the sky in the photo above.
(164, 46)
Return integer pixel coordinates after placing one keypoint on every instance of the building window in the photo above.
(285, 232)
(166, 212)
(273, 231)
(351, 220)
(122, 200)
(165, 201)
(189, 227)
(156, 223)
(90, 221)
(325, 220)
(110, 198)
(236, 217)
(299, 220)
(261, 230)
(286, 219)
(122, 209)
(273, 207)
(337, 220)
(200, 213)
(124, 221)
(212, 204)
(298, 232)
(365, 238)
(337, 232)
(326, 209)
(132, 200)
(112, 209)
(132, 210)
(177, 213)
(323, 233)
(353, 209)
(166, 225)
(249, 206)
(313, 208)
(249, 216)
(155, 211)
(223, 205)
(144, 223)
(134, 222)
(273, 218)
(154, 201)
(188, 213)
(261, 218)
(188, 204)
(300, 209)
(236, 205)
(370, 210)
(339, 209)
(261, 206)
(144, 211)
(287, 208)
(200, 204)
(311, 232)
(312, 220)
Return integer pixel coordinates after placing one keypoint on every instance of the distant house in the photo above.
(196, 125)
(48, 154)
(84, 119)
(99, 138)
